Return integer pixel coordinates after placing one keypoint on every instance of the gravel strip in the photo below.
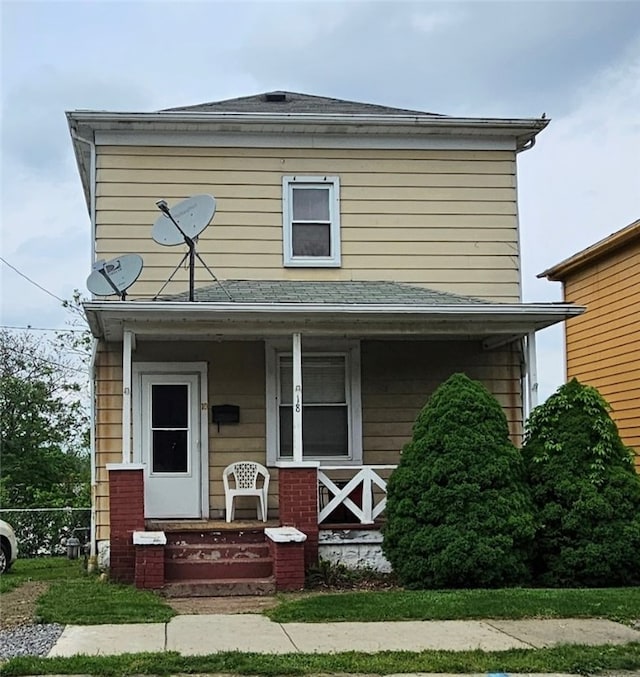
(29, 640)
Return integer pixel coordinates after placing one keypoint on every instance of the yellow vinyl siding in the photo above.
(459, 207)
(602, 345)
(398, 377)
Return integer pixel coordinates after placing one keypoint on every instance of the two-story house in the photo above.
(362, 255)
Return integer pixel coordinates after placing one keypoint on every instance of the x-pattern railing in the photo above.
(367, 477)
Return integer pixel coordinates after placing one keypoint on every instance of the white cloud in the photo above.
(580, 183)
(429, 22)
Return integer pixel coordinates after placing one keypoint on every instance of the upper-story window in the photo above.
(311, 221)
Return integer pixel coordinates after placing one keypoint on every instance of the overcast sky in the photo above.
(579, 62)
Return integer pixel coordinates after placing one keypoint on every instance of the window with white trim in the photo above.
(311, 221)
(331, 409)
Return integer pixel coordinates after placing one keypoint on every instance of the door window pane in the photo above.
(170, 428)
(169, 406)
(170, 451)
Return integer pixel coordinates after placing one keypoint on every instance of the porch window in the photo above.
(325, 411)
(311, 221)
(331, 418)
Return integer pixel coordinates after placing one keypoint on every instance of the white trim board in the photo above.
(310, 140)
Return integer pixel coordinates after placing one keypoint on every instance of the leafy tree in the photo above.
(43, 419)
(458, 510)
(585, 490)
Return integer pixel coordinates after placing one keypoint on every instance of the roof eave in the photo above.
(600, 249)
(108, 318)
(521, 129)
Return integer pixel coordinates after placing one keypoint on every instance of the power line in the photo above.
(30, 328)
(39, 358)
(28, 279)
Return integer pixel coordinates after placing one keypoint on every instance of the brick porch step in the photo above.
(211, 568)
(219, 551)
(228, 587)
(214, 537)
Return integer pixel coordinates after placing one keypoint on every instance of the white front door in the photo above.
(171, 444)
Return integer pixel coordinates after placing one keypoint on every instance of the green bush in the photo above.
(585, 491)
(458, 510)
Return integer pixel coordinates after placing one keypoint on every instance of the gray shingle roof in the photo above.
(343, 292)
(294, 102)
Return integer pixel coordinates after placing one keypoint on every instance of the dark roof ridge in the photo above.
(295, 102)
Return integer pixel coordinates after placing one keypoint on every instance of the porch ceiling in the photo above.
(168, 320)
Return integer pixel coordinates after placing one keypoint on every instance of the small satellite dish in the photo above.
(115, 276)
(192, 215)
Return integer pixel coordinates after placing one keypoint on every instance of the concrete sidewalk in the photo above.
(193, 635)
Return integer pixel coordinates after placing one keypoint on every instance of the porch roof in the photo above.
(337, 292)
(255, 309)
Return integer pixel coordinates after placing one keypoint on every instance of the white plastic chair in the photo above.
(245, 476)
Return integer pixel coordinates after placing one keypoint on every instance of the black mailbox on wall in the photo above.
(225, 413)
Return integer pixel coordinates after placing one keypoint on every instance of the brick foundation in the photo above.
(126, 515)
(149, 566)
(298, 505)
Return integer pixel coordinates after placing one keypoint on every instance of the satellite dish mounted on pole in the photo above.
(183, 224)
(114, 276)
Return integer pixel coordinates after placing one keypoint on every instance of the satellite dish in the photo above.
(115, 276)
(192, 216)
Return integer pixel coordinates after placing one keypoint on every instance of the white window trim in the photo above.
(332, 261)
(351, 349)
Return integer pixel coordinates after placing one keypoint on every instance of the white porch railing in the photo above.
(367, 484)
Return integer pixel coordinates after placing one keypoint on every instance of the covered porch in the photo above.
(325, 396)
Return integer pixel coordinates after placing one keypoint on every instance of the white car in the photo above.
(8, 546)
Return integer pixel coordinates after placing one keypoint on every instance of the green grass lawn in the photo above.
(620, 604)
(573, 659)
(75, 597)
(40, 569)
(89, 601)
(79, 598)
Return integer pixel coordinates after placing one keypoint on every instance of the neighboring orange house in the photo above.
(602, 345)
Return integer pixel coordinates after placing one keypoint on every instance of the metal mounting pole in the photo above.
(162, 206)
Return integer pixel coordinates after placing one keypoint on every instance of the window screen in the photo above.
(325, 412)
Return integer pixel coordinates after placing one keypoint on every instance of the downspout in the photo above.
(532, 372)
(92, 443)
(92, 188)
(94, 347)
(527, 393)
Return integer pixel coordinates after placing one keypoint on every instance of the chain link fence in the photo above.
(43, 531)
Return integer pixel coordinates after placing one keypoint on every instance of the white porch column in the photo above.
(532, 372)
(297, 399)
(127, 347)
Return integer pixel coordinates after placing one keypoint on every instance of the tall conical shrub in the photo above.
(458, 511)
(585, 491)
